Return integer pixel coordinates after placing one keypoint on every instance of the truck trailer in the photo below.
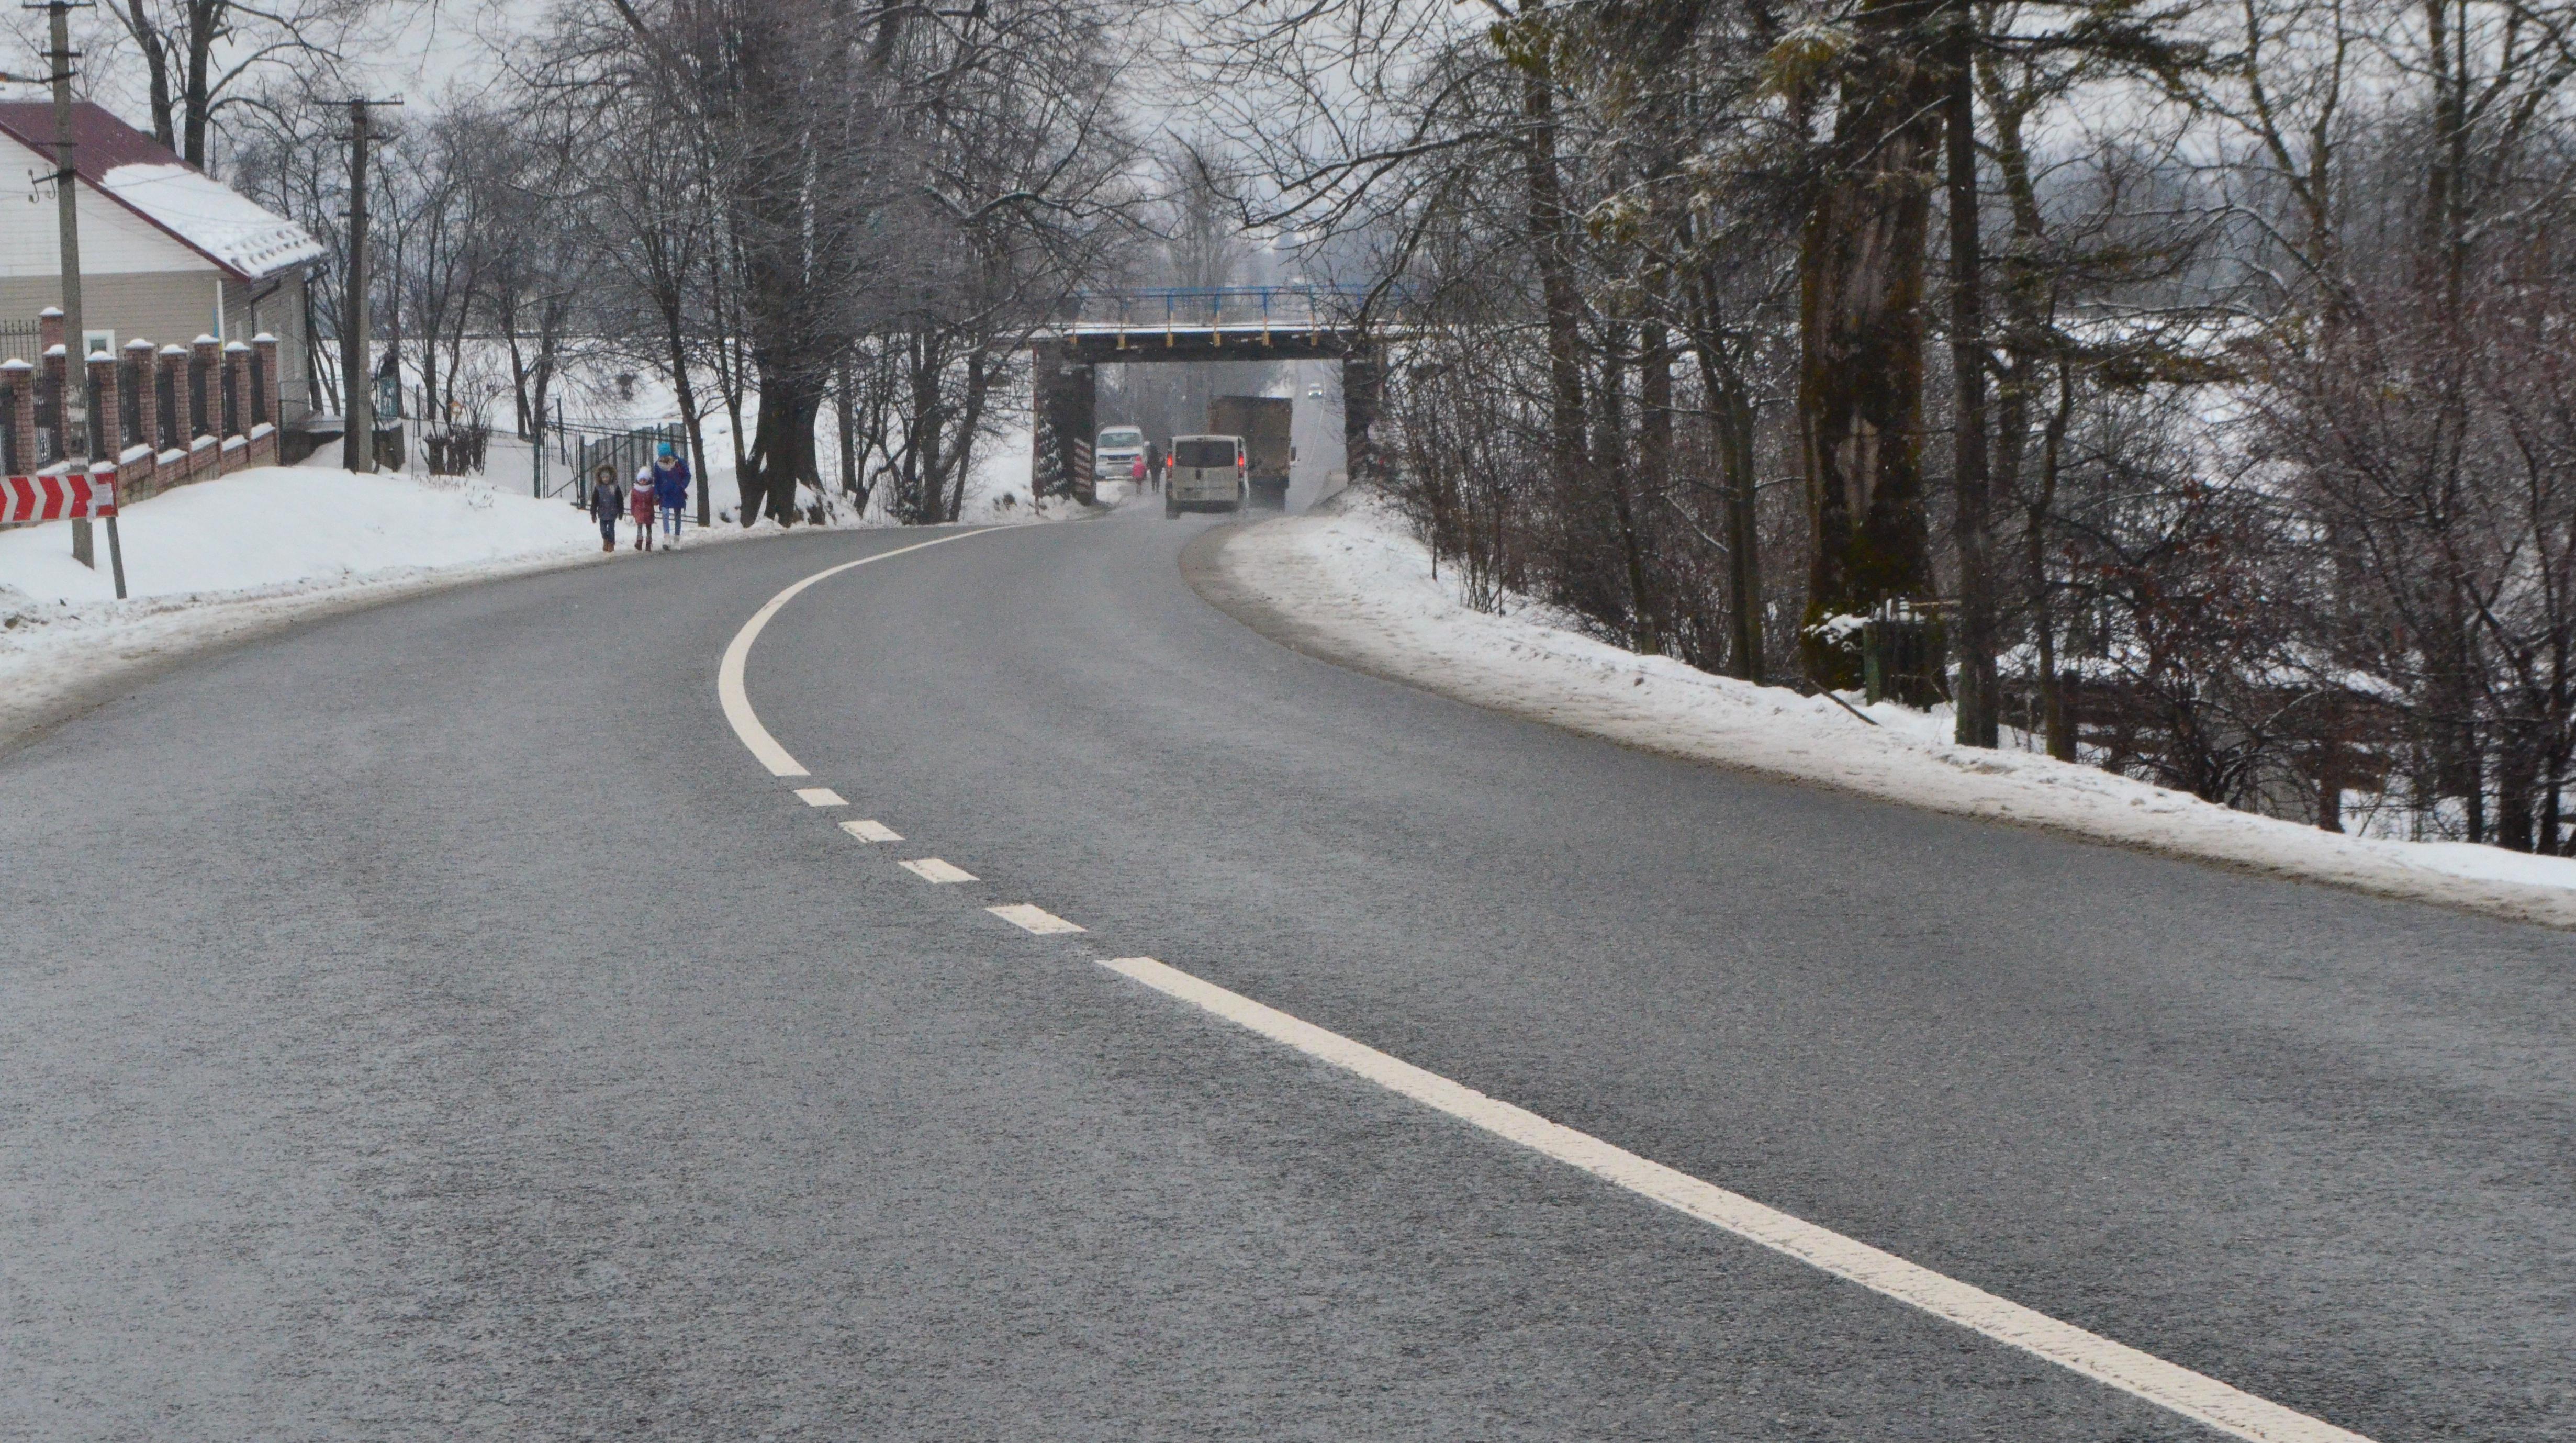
(1263, 423)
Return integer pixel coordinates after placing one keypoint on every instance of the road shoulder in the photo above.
(1336, 589)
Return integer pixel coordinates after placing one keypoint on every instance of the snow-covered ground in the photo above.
(1358, 587)
(601, 391)
(229, 558)
(226, 559)
(306, 526)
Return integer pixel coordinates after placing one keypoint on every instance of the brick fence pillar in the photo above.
(57, 396)
(143, 375)
(18, 385)
(172, 363)
(107, 420)
(49, 328)
(237, 417)
(264, 356)
(205, 402)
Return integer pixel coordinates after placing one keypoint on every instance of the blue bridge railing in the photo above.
(1293, 307)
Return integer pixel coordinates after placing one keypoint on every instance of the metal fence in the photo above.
(569, 452)
(1192, 307)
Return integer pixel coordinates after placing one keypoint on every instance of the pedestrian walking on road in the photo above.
(640, 503)
(605, 502)
(670, 473)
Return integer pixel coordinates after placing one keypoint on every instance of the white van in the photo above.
(1206, 474)
(1113, 455)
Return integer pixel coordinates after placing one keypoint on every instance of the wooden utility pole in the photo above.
(357, 376)
(72, 416)
(67, 208)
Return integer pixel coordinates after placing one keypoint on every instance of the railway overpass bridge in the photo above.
(1232, 323)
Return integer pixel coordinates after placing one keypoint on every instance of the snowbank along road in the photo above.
(510, 1037)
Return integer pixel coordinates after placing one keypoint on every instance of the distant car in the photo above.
(1207, 474)
(1113, 456)
(1314, 393)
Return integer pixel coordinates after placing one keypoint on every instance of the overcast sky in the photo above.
(431, 49)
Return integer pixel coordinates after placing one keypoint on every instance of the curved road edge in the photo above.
(135, 650)
(1219, 565)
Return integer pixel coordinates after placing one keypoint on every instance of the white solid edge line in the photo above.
(2170, 1386)
(737, 704)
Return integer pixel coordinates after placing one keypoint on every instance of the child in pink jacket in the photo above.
(640, 505)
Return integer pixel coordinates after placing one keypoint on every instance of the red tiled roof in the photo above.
(101, 143)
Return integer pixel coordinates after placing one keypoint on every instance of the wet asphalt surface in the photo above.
(433, 1024)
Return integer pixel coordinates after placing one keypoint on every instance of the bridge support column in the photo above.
(1064, 393)
(1363, 378)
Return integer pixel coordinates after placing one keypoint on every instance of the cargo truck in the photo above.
(1262, 422)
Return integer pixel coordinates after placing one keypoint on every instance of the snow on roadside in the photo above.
(276, 526)
(230, 558)
(226, 559)
(1359, 587)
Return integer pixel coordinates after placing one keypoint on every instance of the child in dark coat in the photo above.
(606, 500)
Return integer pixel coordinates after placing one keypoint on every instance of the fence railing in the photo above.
(568, 452)
(1192, 307)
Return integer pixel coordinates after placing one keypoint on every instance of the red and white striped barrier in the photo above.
(59, 497)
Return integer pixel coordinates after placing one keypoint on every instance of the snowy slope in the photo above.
(280, 525)
(226, 559)
(1358, 588)
(230, 558)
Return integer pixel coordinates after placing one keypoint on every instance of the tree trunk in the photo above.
(1655, 409)
(1978, 723)
(518, 372)
(790, 402)
(845, 413)
(1860, 386)
(1611, 469)
(1549, 245)
(1654, 468)
(2330, 767)
(156, 63)
(204, 29)
(2517, 778)
(979, 389)
(1733, 415)
(2054, 714)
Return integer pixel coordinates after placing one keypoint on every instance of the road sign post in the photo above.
(68, 496)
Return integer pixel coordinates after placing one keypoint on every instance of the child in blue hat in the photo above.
(669, 475)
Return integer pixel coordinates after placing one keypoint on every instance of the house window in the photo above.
(93, 342)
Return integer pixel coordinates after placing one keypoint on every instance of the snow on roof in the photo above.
(213, 217)
(202, 214)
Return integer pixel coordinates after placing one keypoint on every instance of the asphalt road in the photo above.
(434, 1024)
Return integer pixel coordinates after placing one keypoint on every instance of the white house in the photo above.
(167, 253)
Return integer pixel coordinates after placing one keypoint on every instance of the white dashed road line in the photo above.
(1033, 919)
(931, 869)
(821, 797)
(869, 830)
(2170, 1386)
